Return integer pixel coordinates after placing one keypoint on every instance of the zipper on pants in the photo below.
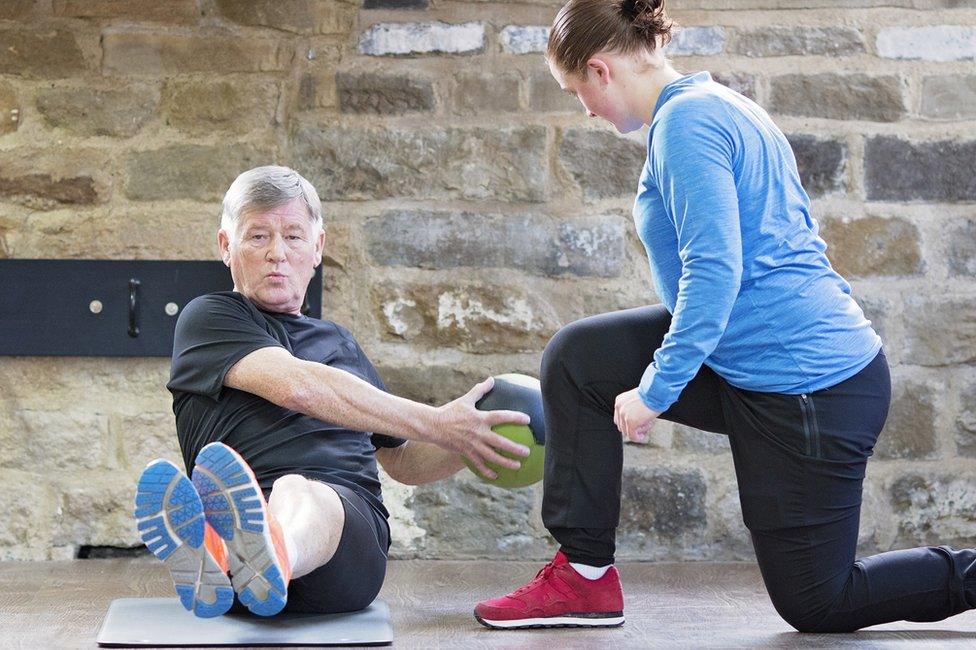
(811, 430)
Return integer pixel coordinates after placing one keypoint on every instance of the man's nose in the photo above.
(276, 248)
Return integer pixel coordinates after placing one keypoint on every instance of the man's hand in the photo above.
(462, 428)
(632, 417)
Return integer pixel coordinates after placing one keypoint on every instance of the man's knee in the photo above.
(290, 484)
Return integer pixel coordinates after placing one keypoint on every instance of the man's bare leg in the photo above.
(311, 517)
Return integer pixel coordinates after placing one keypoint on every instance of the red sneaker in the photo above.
(558, 597)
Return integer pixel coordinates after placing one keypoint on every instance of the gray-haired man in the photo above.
(272, 403)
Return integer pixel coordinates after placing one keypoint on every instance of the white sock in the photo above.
(590, 572)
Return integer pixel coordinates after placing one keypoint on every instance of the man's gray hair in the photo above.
(263, 188)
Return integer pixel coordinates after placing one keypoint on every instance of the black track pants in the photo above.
(799, 462)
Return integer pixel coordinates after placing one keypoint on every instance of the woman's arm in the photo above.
(693, 166)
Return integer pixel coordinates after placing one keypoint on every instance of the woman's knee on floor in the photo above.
(808, 608)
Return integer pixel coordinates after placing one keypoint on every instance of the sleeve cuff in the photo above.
(651, 392)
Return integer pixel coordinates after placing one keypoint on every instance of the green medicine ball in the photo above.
(515, 392)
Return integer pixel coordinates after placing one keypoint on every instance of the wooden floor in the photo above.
(61, 605)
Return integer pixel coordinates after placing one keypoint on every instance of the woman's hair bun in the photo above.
(647, 17)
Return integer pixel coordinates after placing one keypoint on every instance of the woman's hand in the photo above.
(462, 428)
(632, 417)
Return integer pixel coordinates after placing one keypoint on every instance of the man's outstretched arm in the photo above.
(339, 397)
(416, 463)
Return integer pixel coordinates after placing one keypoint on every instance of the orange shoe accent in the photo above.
(216, 546)
(281, 549)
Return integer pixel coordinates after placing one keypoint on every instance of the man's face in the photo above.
(272, 255)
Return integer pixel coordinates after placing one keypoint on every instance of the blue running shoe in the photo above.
(234, 506)
(171, 523)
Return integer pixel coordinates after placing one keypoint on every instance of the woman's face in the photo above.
(601, 91)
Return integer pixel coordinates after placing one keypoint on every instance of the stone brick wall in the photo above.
(473, 209)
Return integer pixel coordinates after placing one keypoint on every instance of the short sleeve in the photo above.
(213, 333)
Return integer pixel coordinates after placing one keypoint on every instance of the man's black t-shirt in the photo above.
(216, 331)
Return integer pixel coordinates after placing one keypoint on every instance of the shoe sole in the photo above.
(235, 508)
(171, 524)
(554, 621)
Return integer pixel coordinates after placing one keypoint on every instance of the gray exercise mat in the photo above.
(132, 622)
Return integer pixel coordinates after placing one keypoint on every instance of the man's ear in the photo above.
(319, 246)
(223, 244)
(599, 67)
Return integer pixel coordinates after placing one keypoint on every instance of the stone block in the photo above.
(839, 96)
(927, 42)
(545, 95)
(582, 246)
(98, 514)
(128, 232)
(524, 39)
(203, 106)
(146, 437)
(406, 39)
(507, 164)
(476, 92)
(177, 12)
(910, 430)
(901, 170)
(965, 424)
(934, 509)
(188, 171)
(961, 240)
(620, 161)
(85, 110)
(798, 41)
(140, 52)
(872, 246)
(427, 383)
(661, 509)
(740, 82)
(17, 9)
(465, 518)
(9, 109)
(821, 162)
(296, 16)
(39, 52)
(55, 177)
(932, 337)
(471, 316)
(383, 94)
(696, 41)
(949, 97)
(26, 504)
(696, 441)
(34, 383)
(54, 441)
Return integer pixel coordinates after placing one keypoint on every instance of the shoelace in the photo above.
(540, 577)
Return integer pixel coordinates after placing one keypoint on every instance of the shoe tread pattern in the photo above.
(232, 504)
(171, 524)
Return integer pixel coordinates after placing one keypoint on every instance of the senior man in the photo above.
(272, 403)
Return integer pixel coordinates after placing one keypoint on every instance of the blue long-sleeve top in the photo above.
(735, 255)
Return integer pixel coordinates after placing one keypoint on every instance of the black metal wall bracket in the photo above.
(113, 308)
